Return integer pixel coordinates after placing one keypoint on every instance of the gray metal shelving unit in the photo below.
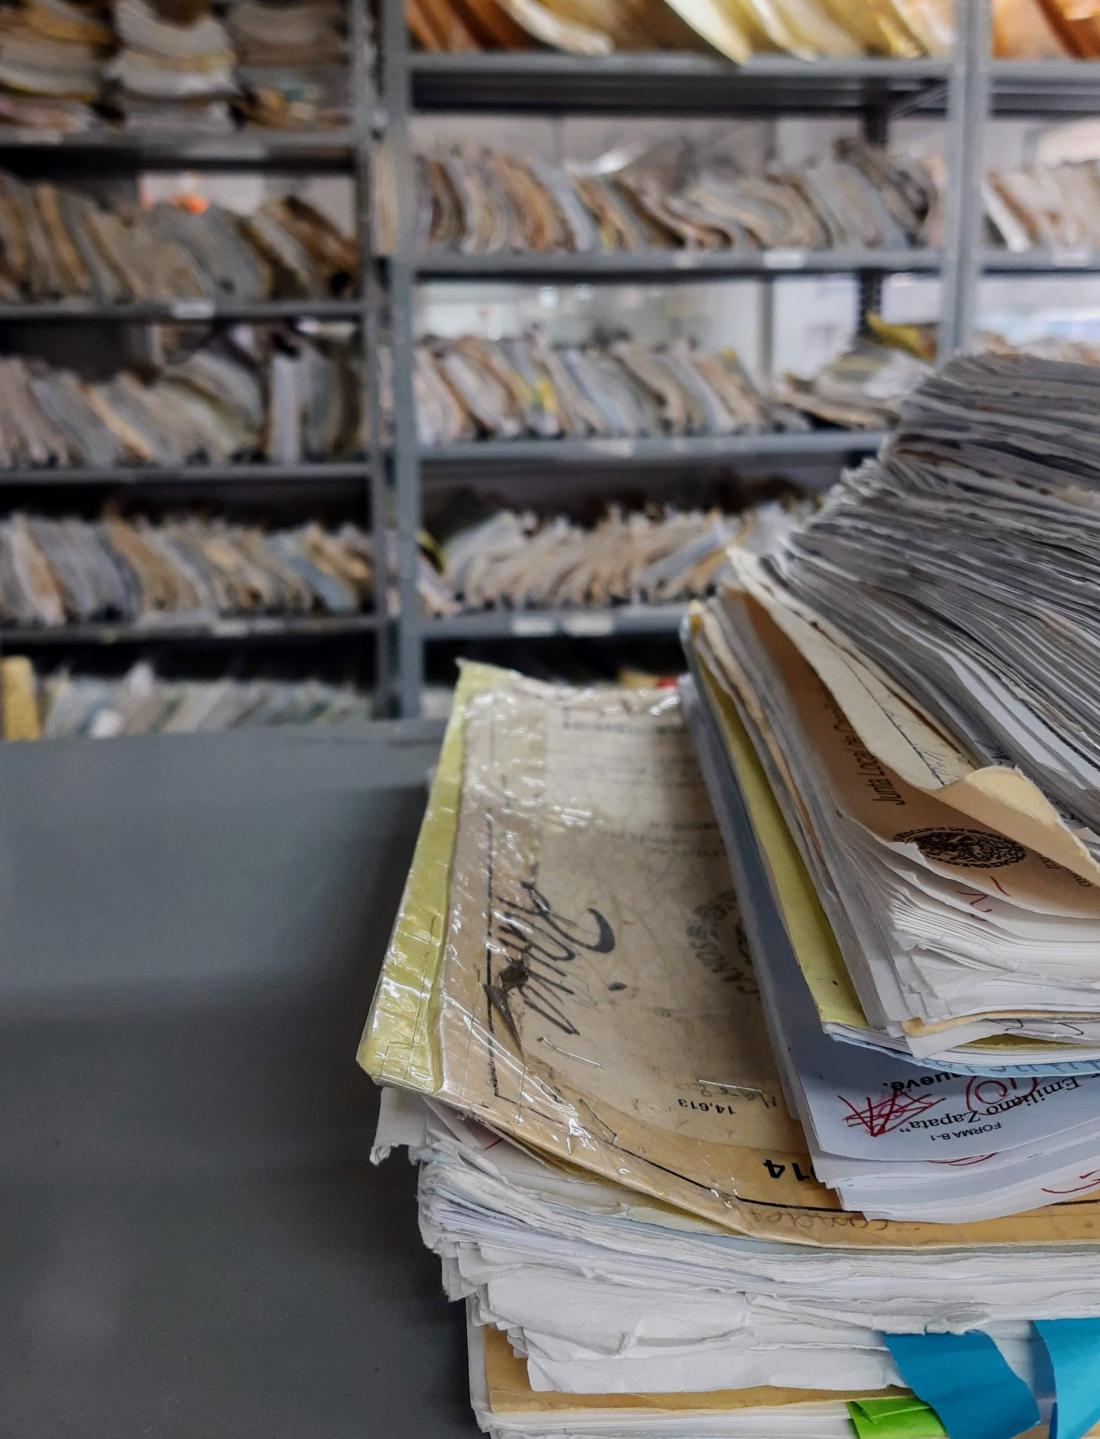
(490, 457)
(344, 151)
(872, 91)
(651, 620)
(963, 92)
(261, 628)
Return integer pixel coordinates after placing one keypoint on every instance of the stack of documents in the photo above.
(808, 28)
(184, 570)
(294, 400)
(1045, 206)
(514, 560)
(858, 196)
(60, 243)
(862, 388)
(930, 725)
(51, 63)
(68, 706)
(171, 71)
(609, 1172)
(470, 387)
(292, 62)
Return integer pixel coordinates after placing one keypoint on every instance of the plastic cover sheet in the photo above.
(568, 966)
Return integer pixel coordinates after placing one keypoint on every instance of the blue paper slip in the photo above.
(1073, 1347)
(965, 1378)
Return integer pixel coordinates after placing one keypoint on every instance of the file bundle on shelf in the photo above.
(480, 203)
(60, 243)
(184, 570)
(67, 705)
(738, 30)
(505, 389)
(285, 400)
(513, 560)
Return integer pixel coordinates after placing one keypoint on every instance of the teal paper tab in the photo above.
(965, 1378)
(902, 1418)
(1073, 1347)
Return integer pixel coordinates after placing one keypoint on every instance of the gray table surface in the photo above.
(193, 1241)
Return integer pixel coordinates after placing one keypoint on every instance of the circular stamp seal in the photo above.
(974, 848)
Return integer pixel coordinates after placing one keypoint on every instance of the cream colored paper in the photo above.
(900, 734)
(586, 854)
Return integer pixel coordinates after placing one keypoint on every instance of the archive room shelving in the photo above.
(360, 641)
(387, 484)
(532, 83)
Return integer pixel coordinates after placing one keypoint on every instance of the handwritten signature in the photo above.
(535, 940)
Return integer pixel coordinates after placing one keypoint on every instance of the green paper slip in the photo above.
(907, 1418)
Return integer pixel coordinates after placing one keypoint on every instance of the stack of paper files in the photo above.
(917, 664)
(738, 30)
(609, 1171)
(172, 72)
(511, 560)
(64, 705)
(478, 203)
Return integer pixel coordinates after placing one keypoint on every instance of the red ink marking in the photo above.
(883, 1116)
(987, 1095)
(962, 1163)
(999, 885)
(1091, 1180)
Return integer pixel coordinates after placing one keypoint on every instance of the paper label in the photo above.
(591, 625)
(192, 309)
(620, 449)
(784, 259)
(1073, 256)
(532, 626)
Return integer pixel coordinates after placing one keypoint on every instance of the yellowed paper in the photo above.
(582, 988)
(899, 733)
(17, 699)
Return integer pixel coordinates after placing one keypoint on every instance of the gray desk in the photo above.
(193, 1242)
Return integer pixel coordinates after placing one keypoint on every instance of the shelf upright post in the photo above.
(968, 100)
(876, 131)
(405, 473)
(362, 117)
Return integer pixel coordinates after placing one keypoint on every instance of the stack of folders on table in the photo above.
(574, 1031)
(63, 705)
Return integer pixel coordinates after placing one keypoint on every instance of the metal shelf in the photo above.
(669, 266)
(1045, 87)
(576, 623)
(1084, 260)
(178, 311)
(248, 473)
(670, 451)
(671, 83)
(262, 629)
(244, 149)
